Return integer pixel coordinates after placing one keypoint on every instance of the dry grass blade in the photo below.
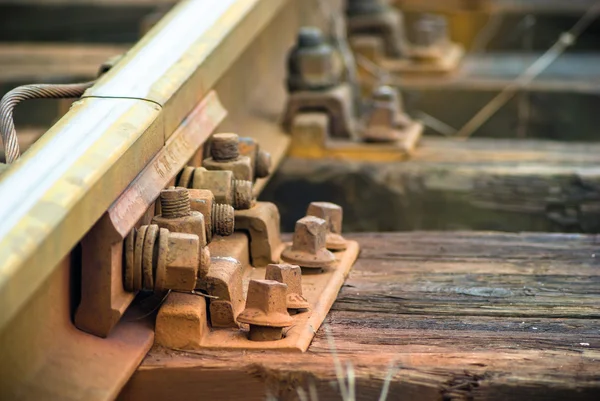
(351, 382)
(301, 394)
(385, 389)
(339, 371)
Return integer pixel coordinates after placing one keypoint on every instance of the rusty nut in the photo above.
(266, 310)
(182, 260)
(308, 247)
(333, 215)
(225, 156)
(226, 189)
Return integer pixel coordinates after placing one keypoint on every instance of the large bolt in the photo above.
(158, 260)
(333, 215)
(177, 216)
(218, 217)
(291, 276)
(308, 248)
(225, 155)
(226, 189)
(313, 64)
(385, 116)
(266, 310)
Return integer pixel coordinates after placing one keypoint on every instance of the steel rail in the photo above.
(56, 191)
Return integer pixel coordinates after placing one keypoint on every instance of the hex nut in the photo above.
(226, 189)
(266, 310)
(183, 260)
(308, 248)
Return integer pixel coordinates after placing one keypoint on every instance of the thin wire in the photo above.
(565, 40)
(487, 33)
(26, 92)
(436, 124)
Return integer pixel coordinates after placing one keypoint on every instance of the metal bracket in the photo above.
(103, 298)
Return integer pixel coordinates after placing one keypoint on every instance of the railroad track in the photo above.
(435, 315)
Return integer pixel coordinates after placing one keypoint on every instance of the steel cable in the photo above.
(26, 92)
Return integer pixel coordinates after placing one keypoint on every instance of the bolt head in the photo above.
(308, 246)
(183, 261)
(219, 182)
(266, 304)
(290, 275)
(333, 215)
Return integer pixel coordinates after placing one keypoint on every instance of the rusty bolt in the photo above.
(261, 160)
(218, 217)
(165, 260)
(308, 248)
(385, 117)
(290, 275)
(226, 189)
(266, 310)
(431, 31)
(313, 64)
(225, 155)
(177, 216)
(224, 147)
(333, 215)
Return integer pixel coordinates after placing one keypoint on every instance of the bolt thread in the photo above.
(242, 194)
(222, 219)
(175, 202)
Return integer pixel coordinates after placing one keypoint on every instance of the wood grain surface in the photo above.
(462, 316)
(479, 184)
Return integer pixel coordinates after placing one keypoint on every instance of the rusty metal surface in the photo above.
(319, 288)
(89, 157)
(103, 299)
(93, 154)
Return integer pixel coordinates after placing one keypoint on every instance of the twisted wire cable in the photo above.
(26, 92)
